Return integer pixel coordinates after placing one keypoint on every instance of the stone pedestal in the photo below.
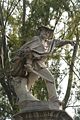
(43, 115)
(40, 111)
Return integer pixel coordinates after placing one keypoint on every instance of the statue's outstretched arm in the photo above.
(60, 43)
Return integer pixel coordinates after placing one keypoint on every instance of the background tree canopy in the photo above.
(19, 20)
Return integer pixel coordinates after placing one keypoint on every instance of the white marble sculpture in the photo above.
(29, 65)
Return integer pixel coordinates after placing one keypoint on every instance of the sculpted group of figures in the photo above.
(29, 65)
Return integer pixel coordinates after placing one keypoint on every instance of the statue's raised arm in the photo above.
(55, 43)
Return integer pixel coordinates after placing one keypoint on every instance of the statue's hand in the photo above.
(73, 43)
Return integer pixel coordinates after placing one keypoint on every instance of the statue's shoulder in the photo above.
(30, 44)
(33, 40)
(36, 38)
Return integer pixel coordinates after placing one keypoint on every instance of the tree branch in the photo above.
(73, 70)
(4, 62)
(23, 20)
(66, 98)
(10, 12)
(73, 106)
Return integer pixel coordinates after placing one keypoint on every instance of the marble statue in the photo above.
(29, 65)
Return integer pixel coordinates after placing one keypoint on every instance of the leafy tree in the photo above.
(19, 20)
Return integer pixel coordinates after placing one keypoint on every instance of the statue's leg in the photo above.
(31, 75)
(31, 79)
(50, 84)
(44, 73)
(52, 96)
(51, 89)
(41, 71)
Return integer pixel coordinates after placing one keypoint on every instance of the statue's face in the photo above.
(49, 35)
(46, 34)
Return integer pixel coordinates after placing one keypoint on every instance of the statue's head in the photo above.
(45, 32)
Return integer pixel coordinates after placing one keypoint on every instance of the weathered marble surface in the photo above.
(28, 66)
(40, 110)
(38, 106)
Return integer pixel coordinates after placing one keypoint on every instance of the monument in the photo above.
(28, 66)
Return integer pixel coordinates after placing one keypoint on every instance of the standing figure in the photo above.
(29, 65)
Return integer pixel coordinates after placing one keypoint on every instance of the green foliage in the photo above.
(77, 116)
(41, 12)
(5, 108)
(39, 90)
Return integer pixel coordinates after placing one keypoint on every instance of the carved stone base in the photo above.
(38, 106)
(40, 110)
(43, 115)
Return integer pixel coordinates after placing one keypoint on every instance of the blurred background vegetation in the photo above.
(19, 20)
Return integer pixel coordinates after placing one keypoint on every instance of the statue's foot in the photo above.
(27, 97)
(55, 101)
(31, 97)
